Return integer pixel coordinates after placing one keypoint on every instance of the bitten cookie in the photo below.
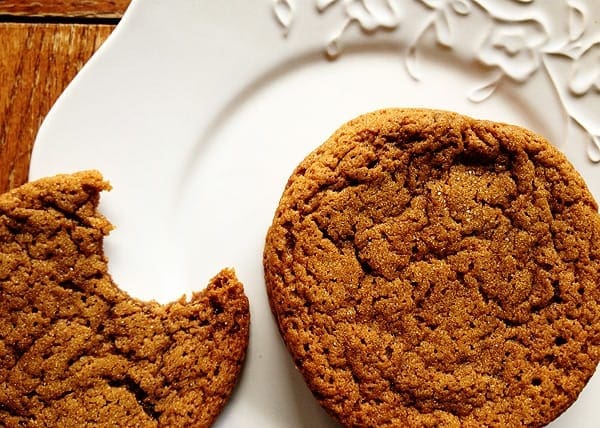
(77, 351)
(429, 269)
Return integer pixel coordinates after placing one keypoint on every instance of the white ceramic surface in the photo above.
(197, 111)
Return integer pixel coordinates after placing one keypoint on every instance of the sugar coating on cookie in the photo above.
(75, 350)
(429, 269)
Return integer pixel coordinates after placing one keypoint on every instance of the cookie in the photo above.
(75, 350)
(429, 269)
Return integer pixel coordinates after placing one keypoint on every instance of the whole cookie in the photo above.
(429, 269)
(77, 351)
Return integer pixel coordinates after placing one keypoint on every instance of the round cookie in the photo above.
(77, 351)
(429, 269)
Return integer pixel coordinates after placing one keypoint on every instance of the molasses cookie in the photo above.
(429, 269)
(77, 351)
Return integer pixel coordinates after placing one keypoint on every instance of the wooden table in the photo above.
(43, 44)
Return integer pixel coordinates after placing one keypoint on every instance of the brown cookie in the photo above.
(77, 351)
(429, 269)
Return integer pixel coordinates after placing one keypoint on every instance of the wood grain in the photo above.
(70, 8)
(37, 61)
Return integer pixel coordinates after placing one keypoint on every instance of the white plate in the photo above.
(197, 112)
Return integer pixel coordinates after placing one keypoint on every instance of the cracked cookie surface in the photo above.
(429, 269)
(77, 351)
